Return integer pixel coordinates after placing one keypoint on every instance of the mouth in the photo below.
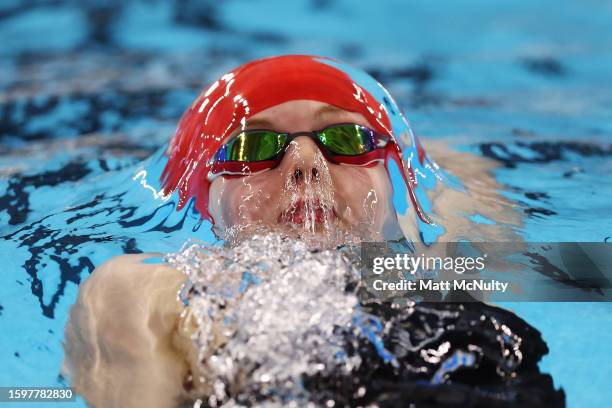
(300, 212)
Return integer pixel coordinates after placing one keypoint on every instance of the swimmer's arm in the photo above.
(119, 349)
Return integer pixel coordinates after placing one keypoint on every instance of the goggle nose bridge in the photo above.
(312, 135)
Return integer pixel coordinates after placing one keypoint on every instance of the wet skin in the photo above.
(306, 191)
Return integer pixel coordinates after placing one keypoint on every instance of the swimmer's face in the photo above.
(306, 192)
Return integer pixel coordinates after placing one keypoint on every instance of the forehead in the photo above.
(301, 115)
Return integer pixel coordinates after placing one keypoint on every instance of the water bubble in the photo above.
(267, 313)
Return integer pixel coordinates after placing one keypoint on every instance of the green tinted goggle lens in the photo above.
(254, 146)
(348, 140)
(262, 145)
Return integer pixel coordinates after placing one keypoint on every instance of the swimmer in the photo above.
(288, 144)
(306, 191)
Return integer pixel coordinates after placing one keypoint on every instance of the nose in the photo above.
(303, 160)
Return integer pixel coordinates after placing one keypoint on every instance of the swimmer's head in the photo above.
(296, 143)
(307, 190)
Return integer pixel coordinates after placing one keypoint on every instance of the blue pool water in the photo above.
(89, 92)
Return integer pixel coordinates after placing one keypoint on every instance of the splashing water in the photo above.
(277, 323)
(268, 294)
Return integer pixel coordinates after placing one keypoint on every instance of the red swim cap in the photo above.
(242, 93)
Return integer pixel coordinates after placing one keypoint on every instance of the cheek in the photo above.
(249, 199)
(363, 194)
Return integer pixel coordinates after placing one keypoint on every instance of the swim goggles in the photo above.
(256, 150)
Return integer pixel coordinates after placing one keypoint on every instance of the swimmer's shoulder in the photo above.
(125, 293)
(119, 337)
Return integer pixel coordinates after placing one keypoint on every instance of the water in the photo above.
(289, 300)
(81, 108)
(333, 346)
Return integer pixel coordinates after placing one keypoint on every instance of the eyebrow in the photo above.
(328, 110)
(259, 124)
